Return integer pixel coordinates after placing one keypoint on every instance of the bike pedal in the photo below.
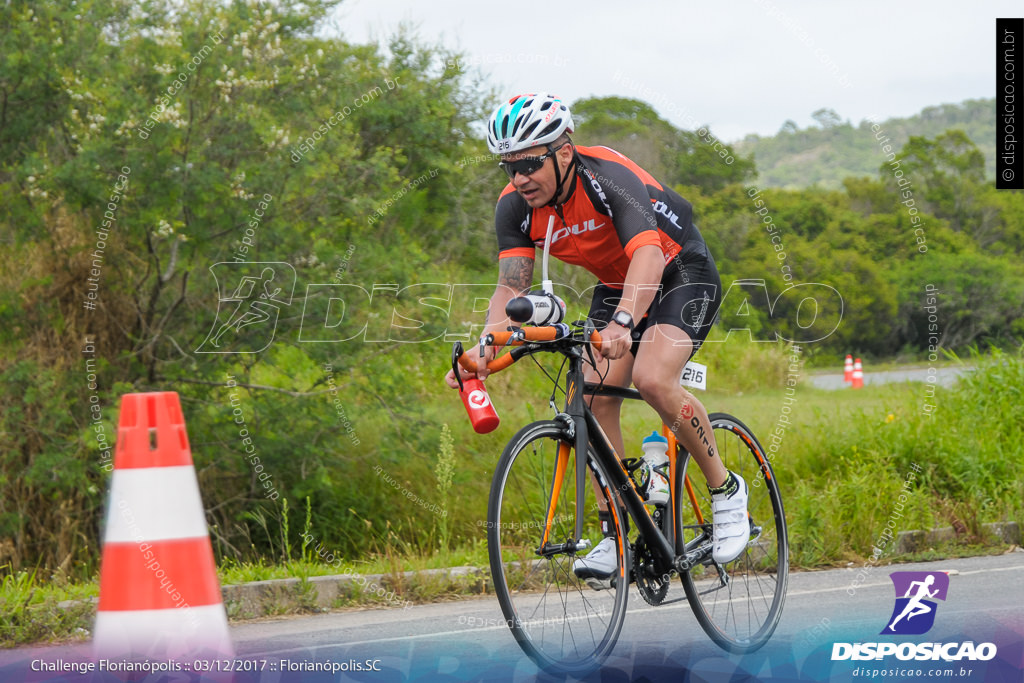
(598, 584)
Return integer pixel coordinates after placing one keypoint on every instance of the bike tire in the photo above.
(555, 617)
(739, 604)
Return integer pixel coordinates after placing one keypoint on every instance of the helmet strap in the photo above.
(558, 175)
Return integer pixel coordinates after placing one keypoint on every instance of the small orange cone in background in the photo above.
(858, 375)
(159, 594)
(848, 369)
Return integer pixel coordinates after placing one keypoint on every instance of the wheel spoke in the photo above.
(742, 617)
(542, 599)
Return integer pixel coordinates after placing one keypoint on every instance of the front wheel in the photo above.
(738, 604)
(562, 623)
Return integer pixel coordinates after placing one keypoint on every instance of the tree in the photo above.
(949, 176)
(826, 118)
(979, 297)
(672, 155)
(232, 126)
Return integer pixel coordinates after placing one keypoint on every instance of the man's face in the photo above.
(537, 188)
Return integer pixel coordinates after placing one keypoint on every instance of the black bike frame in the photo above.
(622, 485)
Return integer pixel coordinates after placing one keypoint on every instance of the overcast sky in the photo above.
(742, 67)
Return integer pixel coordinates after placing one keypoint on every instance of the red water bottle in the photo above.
(478, 405)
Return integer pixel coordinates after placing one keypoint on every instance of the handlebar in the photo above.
(547, 333)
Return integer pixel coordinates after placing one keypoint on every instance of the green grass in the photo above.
(849, 453)
(470, 554)
(841, 467)
(31, 611)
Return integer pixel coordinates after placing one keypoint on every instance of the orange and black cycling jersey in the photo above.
(614, 208)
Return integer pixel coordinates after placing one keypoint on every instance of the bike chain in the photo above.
(652, 589)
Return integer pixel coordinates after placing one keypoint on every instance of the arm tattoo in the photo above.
(516, 272)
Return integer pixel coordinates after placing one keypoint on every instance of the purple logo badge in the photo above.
(914, 612)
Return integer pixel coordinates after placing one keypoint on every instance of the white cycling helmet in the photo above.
(527, 121)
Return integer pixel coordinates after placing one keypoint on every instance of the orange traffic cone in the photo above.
(159, 595)
(848, 369)
(858, 375)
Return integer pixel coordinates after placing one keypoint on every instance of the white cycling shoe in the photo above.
(731, 523)
(598, 566)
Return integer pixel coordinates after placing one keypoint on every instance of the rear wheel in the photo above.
(738, 604)
(557, 618)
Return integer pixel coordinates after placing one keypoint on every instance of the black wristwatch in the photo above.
(625, 319)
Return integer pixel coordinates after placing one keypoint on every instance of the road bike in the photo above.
(542, 515)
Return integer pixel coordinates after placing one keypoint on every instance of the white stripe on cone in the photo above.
(154, 504)
(164, 633)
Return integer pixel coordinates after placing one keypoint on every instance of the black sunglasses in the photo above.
(527, 165)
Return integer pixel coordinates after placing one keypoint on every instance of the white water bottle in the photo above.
(655, 459)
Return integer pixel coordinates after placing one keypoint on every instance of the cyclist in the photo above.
(658, 293)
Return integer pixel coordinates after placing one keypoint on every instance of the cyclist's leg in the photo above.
(678, 322)
(664, 351)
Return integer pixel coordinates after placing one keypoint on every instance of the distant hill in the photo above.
(834, 149)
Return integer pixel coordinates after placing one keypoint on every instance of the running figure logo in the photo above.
(252, 305)
(914, 612)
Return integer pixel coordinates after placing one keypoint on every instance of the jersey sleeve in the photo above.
(630, 202)
(512, 225)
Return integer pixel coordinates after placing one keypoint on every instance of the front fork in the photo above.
(574, 406)
(576, 429)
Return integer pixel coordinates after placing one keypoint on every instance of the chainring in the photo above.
(653, 588)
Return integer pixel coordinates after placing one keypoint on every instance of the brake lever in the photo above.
(456, 353)
(518, 335)
(588, 331)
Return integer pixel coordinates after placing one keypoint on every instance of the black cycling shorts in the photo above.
(688, 298)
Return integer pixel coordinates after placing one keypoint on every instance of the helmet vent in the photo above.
(528, 131)
(551, 128)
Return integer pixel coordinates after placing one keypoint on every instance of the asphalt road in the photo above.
(945, 377)
(467, 641)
